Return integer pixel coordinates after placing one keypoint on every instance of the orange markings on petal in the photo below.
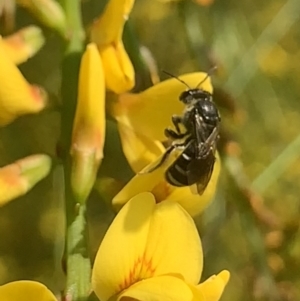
(141, 269)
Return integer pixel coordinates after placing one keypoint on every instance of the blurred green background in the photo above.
(252, 227)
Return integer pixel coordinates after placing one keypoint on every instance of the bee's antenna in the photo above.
(209, 73)
(171, 75)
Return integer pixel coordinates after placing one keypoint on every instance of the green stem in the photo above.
(133, 49)
(251, 229)
(271, 173)
(78, 266)
(78, 262)
(188, 13)
(75, 32)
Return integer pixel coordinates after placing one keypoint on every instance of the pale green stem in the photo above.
(273, 172)
(276, 29)
(78, 266)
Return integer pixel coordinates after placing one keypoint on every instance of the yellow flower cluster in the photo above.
(152, 250)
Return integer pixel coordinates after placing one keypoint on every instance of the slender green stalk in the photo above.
(251, 229)
(133, 48)
(271, 173)
(78, 267)
(194, 34)
(75, 32)
(276, 29)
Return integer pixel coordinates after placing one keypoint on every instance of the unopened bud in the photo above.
(89, 124)
(49, 12)
(17, 96)
(18, 178)
(23, 44)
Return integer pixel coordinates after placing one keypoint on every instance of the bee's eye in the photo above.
(185, 96)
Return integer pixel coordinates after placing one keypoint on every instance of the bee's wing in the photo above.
(199, 134)
(200, 170)
(161, 161)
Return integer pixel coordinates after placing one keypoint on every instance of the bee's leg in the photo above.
(169, 133)
(176, 119)
(161, 162)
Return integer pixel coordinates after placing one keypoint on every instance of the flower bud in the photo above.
(49, 12)
(18, 178)
(17, 96)
(89, 124)
(23, 44)
(107, 32)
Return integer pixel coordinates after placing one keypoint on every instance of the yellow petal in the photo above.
(23, 44)
(17, 178)
(17, 97)
(173, 244)
(120, 254)
(24, 291)
(159, 289)
(193, 203)
(138, 149)
(109, 27)
(214, 286)
(119, 72)
(106, 32)
(150, 111)
(155, 183)
(89, 124)
(147, 240)
(138, 184)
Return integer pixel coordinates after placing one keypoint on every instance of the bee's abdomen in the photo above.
(176, 174)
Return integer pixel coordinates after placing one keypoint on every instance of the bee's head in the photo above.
(193, 96)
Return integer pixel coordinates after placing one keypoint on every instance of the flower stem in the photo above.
(78, 262)
(75, 33)
(78, 266)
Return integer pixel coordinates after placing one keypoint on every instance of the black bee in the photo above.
(201, 120)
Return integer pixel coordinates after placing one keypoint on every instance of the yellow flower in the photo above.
(17, 96)
(107, 32)
(153, 252)
(89, 124)
(18, 178)
(25, 290)
(143, 117)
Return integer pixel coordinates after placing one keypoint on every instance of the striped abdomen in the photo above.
(176, 174)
